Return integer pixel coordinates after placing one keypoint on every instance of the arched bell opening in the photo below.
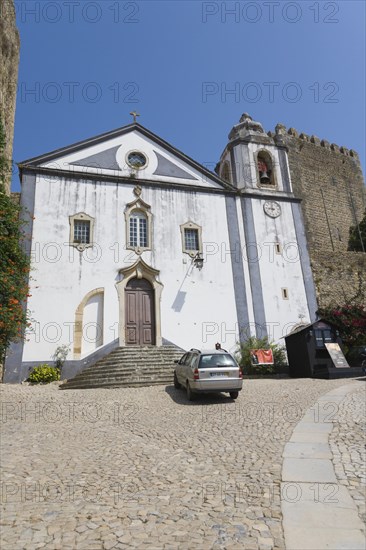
(265, 169)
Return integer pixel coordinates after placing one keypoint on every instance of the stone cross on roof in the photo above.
(134, 114)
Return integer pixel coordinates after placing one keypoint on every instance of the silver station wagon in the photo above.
(208, 371)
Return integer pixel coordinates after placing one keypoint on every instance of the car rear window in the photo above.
(216, 360)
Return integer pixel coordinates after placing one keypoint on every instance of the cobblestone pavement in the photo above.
(144, 468)
(348, 446)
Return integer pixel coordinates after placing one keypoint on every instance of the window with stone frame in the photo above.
(138, 229)
(191, 238)
(81, 230)
(138, 226)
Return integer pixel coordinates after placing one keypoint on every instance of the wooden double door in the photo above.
(140, 313)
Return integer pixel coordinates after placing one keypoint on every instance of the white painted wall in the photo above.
(197, 307)
(247, 174)
(62, 276)
(279, 271)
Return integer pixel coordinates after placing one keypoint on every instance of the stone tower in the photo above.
(276, 261)
(9, 61)
(326, 179)
(329, 180)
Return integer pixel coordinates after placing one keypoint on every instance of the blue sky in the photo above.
(190, 69)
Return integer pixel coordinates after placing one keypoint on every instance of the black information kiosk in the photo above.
(314, 351)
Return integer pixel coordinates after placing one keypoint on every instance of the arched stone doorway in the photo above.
(141, 272)
(140, 314)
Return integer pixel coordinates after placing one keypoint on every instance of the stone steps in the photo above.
(116, 383)
(120, 375)
(128, 367)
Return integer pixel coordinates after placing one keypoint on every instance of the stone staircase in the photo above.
(132, 366)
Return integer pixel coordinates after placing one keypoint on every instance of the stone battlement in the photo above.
(281, 130)
(329, 180)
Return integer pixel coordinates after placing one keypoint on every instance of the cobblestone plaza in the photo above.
(144, 468)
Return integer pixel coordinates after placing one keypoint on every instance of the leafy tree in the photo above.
(14, 263)
(356, 234)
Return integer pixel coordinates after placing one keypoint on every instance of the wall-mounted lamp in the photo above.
(198, 261)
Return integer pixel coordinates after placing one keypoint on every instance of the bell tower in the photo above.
(266, 219)
(253, 160)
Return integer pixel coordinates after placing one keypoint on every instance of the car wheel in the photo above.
(190, 394)
(234, 394)
(176, 383)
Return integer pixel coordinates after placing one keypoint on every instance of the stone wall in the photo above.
(339, 278)
(9, 61)
(330, 183)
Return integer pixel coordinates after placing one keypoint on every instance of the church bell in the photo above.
(264, 177)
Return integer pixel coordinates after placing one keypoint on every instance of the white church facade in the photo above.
(135, 244)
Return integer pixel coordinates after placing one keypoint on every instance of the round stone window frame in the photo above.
(139, 153)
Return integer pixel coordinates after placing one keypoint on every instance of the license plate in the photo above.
(219, 374)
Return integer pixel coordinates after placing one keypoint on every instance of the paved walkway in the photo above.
(320, 509)
(144, 468)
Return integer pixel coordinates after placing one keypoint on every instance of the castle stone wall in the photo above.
(9, 61)
(330, 183)
(339, 279)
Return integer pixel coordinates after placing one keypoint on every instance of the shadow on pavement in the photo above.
(180, 397)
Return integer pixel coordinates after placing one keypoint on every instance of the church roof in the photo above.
(37, 162)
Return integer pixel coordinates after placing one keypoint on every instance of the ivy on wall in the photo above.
(14, 263)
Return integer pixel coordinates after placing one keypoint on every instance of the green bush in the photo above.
(44, 374)
(243, 356)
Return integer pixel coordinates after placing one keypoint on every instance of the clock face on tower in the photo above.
(272, 209)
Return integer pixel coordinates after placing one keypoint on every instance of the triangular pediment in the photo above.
(130, 152)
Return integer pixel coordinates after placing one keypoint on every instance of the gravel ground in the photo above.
(144, 468)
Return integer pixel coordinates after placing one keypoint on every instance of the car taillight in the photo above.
(240, 373)
(196, 375)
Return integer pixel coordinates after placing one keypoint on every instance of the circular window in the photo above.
(136, 160)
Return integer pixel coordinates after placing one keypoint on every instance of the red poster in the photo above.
(261, 356)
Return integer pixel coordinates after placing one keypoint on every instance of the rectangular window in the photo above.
(133, 232)
(138, 230)
(81, 231)
(285, 293)
(143, 232)
(323, 336)
(191, 239)
(216, 360)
